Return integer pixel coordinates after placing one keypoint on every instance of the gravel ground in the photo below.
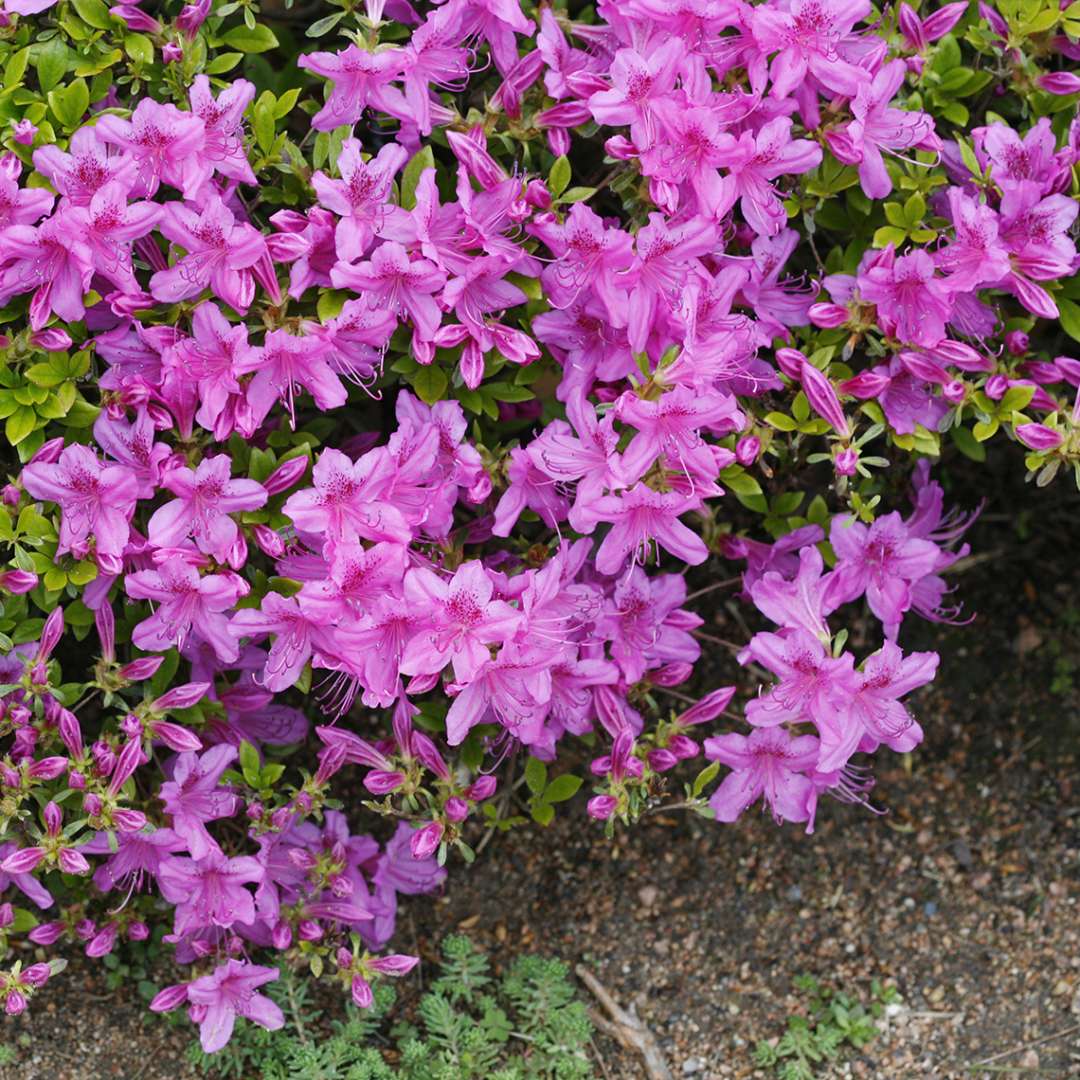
(965, 896)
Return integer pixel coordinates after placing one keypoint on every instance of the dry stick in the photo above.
(625, 1027)
(1025, 1046)
(713, 587)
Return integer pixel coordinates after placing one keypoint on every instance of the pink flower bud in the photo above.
(747, 450)
(138, 931)
(171, 53)
(17, 582)
(180, 697)
(601, 807)
(54, 819)
(51, 339)
(671, 674)
(192, 16)
(286, 474)
(102, 944)
(708, 708)
(1059, 82)
(7, 915)
(23, 132)
(380, 782)
(828, 316)
(37, 975)
(1039, 436)
(823, 399)
(72, 862)
(943, 20)
(456, 809)
(22, 861)
(141, 669)
(47, 768)
(168, 999)
(1016, 341)
(49, 452)
(996, 387)
(361, 992)
(661, 760)
(790, 362)
(51, 633)
(683, 747)
(269, 542)
(912, 28)
(309, 930)
(135, 19)
(281, 936)
(483, 787)
(423, 843)
(47, 933)
(129, 821)
(846, 461)
(954, 391)
(395, 965)
(15, 1001)
(175, 737)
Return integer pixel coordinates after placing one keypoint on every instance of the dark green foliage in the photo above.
(528, 1025)
(833, 1020)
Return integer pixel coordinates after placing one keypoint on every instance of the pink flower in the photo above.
(220, 252)
(462, 620)
(194, 796)
(216, 1001)
(206, 496)
(96, 502)
(913, 304)
(641, 518)
(768, 762)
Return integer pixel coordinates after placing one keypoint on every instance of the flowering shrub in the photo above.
(378, 371)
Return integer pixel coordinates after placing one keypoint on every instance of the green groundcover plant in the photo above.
(377, 374)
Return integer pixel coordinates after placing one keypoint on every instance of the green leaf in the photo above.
(560, 176)
(887, 235)
(543, 813)
(966, 443)
(780, 421)
(424, 159)
(249, 763)
(52, 62)
(19, 424)
(324, 25)
(705, 778)
(15, 68)
(430, 384)
(140, 48)
(915, 209)
(24, 921)
(535, 775)
(1015, 399)
(69, 104)
(1069, 314)
(257, 39)
(562, 788)
(94, 13)
(263, 120)
(223, 62)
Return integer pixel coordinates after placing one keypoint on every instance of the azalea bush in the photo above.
(395, 391)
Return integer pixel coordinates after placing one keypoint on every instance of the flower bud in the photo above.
(180, 697)
(828, 316)
(996, 387)
(954, 391)
(18, 582)
(361, 992)
(52, 339)
(671, 674)
(708, 708)
(602, 807)
(281, 936)
(456, 809)
(846, 461)
(49, 452)
(141, 669)
(171, 53)
(1039, 436)
(424, 842)
(268, 541)
(168, 999)
(138, 931)
(23, 132)
(1016, 341)
(47, 933)
(483, 787)
(747, 450)
(285, 475)
(661, 760)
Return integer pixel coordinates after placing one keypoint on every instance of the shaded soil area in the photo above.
(965, 896)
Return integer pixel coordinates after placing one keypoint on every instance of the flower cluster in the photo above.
(373, 461)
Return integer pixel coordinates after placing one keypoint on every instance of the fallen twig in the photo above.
(1025, 1046)
(625, 1027)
